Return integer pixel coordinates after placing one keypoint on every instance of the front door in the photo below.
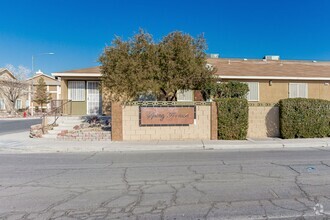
(93, 98)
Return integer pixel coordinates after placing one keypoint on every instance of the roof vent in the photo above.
(272, 57)
(39, 72)
(213, 55)
(209, 66)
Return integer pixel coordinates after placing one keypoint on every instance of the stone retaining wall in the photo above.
(81, 135)
(36, 131)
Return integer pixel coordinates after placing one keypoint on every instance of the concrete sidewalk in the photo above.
(21, 143)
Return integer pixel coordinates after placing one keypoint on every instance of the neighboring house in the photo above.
(5, 106)
(53, 88)
(269, 81)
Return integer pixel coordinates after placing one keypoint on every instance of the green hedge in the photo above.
(232, 118)
(304, 118)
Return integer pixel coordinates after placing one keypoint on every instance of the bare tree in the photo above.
(13, 88)
(21, 73)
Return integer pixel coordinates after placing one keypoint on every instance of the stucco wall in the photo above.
(132, 131)
(263, 122)
(78, 107)
(279, 89)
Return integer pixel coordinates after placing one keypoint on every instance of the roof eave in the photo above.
(77, 74)
(274, 77)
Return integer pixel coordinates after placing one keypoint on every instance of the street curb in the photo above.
(21, 143)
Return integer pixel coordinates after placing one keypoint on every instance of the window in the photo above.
(147, 97)
(2, 104)
(18, 104)
(253, 94)
(76, 90)
(298, 90)
(185, 95)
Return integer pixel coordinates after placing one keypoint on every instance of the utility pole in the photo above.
(32, 89)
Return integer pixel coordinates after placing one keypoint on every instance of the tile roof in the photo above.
(95, 69)
(2, 70)
(254, 68)
(261, 68)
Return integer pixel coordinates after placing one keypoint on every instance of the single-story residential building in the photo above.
(269, 80)
(82, 86)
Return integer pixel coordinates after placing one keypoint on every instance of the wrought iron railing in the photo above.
(62, 106)
(57, 109)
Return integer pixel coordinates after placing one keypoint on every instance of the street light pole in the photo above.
(32, 92)
(38, 55)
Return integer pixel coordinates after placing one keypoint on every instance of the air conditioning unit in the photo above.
(213, 55)
(272, 57)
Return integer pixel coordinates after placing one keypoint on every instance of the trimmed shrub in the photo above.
(304, 118)
(232, 118)
(231, 89)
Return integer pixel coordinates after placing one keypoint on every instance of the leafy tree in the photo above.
(41, 96)
(128, 67)
(141, 66)
(182, 63)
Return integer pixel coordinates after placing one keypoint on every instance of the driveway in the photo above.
(8, 126)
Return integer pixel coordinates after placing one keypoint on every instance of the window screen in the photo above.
(18, 104)
(253, 94)
(2, 104)
(76, 90)
(185, 95)
(297, 90)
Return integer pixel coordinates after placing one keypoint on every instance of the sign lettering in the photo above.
(167, 116)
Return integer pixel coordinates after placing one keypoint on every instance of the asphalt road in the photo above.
(277, 184)
(8, 126)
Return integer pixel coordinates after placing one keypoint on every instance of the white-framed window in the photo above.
(298, 90)
(2, 104)
(18, 104)
(185, 95)
(76, 90)
(253, 94)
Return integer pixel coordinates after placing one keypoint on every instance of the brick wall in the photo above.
(132, 131)
(263, 122)
(214, 121)
(116, 122)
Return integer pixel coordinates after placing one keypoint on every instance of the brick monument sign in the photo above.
(167, 115)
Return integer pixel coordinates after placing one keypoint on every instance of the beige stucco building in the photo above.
(268, 80)
(53, 89)
(82, 87)
(272, 80)
(21, 102)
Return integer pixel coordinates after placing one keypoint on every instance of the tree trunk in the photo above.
(12, 108)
